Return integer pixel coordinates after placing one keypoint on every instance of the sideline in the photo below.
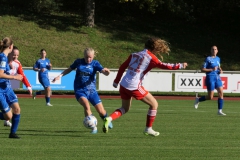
(118, 97)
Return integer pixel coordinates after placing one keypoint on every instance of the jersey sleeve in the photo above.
(122, 69)
(98, 67)
(169, 66)
(24, 80)
(36, 65)
(75, 64)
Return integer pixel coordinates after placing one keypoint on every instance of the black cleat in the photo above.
(13, 135)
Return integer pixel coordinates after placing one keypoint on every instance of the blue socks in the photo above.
(201, 99)
(1, 116)
(104, 116)
(220, 103)
(47, 99)
(15, 122)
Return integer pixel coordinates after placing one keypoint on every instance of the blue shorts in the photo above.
(7, 99)
(213, 82)
(44, 82)
(92, 97)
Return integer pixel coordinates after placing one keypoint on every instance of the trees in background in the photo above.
(186, 9)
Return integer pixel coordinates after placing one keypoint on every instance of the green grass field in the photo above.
(58, 133)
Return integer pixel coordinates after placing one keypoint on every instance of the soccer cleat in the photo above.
(220, 113)
(13, 135)
(196, 103)
(34, 95)
(7, 124)
(110, 125)
(151, 132)
(48, 104)
(94, 130)
(106, 122)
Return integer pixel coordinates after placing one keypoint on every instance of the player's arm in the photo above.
(5, 76)
(24, 80)
(66, 71)
(171, 66)
(121, 70)
(105, 71)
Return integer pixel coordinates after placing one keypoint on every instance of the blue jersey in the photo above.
(42, 64)
(4, 83)
(85, 77)
(210, 63)
(213, 80)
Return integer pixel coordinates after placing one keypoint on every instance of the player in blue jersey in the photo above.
(213, 81)
(42, 66)
(8, 99)
(85, 83)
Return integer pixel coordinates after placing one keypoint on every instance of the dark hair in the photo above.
(15, 47)
(42, 50)
(5, 43)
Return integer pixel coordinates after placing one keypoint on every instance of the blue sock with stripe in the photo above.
(47, 99)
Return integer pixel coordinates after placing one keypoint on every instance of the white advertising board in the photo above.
(153, 81)
(195, 82)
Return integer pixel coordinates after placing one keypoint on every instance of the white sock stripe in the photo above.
(152, 112)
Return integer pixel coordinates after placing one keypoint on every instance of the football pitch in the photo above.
(185, 133)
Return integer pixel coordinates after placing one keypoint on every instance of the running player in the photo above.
(42, 66)
(16, 68)
(85, 83)
(211, 67)
(138, 65)
(8, 99)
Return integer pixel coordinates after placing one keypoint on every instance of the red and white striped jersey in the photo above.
(16, 68)
(138, 65)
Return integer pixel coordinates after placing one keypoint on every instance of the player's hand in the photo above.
(115, 85)
(105, 71)
(18, 77)
(55, 79)
(184, 65)
(29, 90)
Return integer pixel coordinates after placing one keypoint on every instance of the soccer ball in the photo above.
(90, 122)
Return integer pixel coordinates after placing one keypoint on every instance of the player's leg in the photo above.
(126, 104)
(47, 90)
(7, 123)
(152, 112)
(210, 83)
(13, 103)
(15, 120)
(82, 99)
(48, 95)
(219, 87)
(97, 103)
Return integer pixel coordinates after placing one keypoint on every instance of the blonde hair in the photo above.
(5, 43)
(157, 46)
(88, 50)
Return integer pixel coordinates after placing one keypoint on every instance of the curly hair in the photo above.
(157, 46)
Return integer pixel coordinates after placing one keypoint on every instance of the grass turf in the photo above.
(58, 133)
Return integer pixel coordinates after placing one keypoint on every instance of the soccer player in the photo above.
(8, 98)
(138, 65)
(42, 66)
(211, 67)
(16, 68)
(85, 83)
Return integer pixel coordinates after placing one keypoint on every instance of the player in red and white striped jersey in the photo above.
(16, 67)
(138, 65)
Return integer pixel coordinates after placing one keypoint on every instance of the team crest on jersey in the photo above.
(3, 64)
